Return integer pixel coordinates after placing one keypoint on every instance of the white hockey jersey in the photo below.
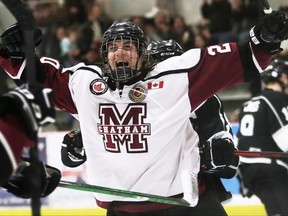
(140, 138)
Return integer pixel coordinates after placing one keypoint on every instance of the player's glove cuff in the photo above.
(13, 40)
(272, 48)
(33, 103)
(72, 151)
(20, 183)
(216, 154)
(71, 158)
(268, 34)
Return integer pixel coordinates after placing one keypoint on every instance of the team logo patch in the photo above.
(98, 87)
(138, 93)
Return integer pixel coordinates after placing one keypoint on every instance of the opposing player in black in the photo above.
(264, 127)
(281, 65)
(22, 111)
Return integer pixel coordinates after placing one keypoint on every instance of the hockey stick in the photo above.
(24, 17)
(268, 154)
(123, 193)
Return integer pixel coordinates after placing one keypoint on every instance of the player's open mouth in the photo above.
(122, 64)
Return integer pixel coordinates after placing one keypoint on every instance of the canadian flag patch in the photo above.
(155, 85)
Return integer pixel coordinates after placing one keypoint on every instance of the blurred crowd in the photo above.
(72, 31)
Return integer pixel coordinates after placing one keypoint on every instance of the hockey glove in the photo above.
(268, 34)
(20, 183)
(217, 154)
(72, 151)
(13, 40)
(34, 104)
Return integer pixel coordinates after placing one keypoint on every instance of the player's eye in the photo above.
(112, 48)
(126, 47)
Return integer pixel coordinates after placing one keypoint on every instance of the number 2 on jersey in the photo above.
(224, 48)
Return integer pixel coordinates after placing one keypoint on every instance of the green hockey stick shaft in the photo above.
(123, 193)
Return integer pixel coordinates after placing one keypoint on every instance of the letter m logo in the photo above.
(126, 129)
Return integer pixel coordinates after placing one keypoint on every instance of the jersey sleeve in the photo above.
(13, 139)
(50, 73)
(58, 80)
(210, 122)
(210, 119)
(278, 118)
(222, 66)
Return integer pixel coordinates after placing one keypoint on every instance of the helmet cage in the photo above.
(126, 73)
(125, 31)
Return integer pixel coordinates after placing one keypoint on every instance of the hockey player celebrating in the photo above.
(134, 117)
(215, 141)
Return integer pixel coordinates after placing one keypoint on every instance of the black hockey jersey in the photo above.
(264, 124)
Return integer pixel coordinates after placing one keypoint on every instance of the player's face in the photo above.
(284, 79)
(123, 54)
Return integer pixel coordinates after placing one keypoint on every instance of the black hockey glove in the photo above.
(20, 183)
(72, 151)
(13, 40)
(218, 154)
(268, 34)
(33, 103)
